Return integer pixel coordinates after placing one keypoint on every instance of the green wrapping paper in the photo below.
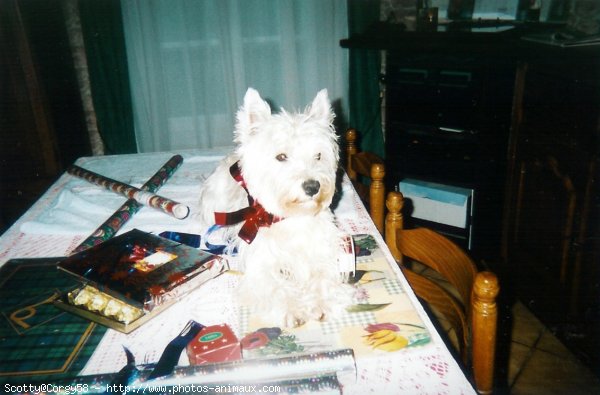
(112, 225)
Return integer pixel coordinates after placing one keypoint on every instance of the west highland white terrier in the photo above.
(273, 196)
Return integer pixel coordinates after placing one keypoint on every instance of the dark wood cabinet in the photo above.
(551, 236)
(448, 100)
(448, 121)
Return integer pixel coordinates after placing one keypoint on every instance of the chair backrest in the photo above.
(473, 315)
(361, 166)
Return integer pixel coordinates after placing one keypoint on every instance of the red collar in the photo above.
(254, 215)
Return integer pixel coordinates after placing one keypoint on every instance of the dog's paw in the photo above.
(318, 315)
(293, 321)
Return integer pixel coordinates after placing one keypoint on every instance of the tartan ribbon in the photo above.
(254, 216)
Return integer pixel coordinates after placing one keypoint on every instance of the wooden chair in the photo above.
(471, 311)
(366, 166)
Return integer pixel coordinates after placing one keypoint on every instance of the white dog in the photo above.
(273, 192)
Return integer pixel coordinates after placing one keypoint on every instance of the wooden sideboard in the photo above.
(551, 237)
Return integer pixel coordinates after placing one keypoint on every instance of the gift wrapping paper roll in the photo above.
(265, 370)
(103, 384)
(305, 373)
(116, 221)
(323, 384)
(177, 210)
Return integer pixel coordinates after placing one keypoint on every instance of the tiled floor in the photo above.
(539, 363)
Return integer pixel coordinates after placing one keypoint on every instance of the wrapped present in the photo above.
(216, 343)
(131, 278)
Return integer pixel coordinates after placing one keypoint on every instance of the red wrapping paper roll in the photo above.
(168, 206)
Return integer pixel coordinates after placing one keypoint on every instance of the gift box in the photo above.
(129, 279)
(216, 343)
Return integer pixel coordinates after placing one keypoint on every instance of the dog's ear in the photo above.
(254, 110)
(320, 109)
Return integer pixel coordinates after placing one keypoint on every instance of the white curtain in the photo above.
(190, 63)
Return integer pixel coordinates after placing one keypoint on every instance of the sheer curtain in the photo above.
(190, 63)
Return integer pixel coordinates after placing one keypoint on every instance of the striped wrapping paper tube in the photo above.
(112, 225)
(327, 384)
(288, 367)
(168, 206)
(316, 372)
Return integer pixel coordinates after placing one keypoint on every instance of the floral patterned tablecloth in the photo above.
(397, 348)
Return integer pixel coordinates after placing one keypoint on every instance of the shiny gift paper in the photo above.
(130, 278)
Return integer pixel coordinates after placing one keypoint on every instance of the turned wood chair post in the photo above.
(473, 313)
(350, 151)
(377, 196)
(394, 221)
(484, 316)
(371, 166)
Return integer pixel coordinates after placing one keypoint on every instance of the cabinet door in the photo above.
(551, 189)
(543, 232)
(551, 224)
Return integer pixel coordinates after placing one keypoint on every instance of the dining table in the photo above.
(43, 345)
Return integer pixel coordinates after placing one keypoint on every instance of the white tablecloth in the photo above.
(73, 208)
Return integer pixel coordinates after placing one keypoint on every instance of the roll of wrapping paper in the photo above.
(314, 372)
(101, 384)
(112, 225)
(168, 206)
(263, 370)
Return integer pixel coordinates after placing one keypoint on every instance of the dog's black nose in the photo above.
(311, 187)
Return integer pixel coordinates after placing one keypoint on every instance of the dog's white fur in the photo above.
(290, 269)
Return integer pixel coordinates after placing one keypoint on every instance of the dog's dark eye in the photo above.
(281, 157)
(318, 156)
